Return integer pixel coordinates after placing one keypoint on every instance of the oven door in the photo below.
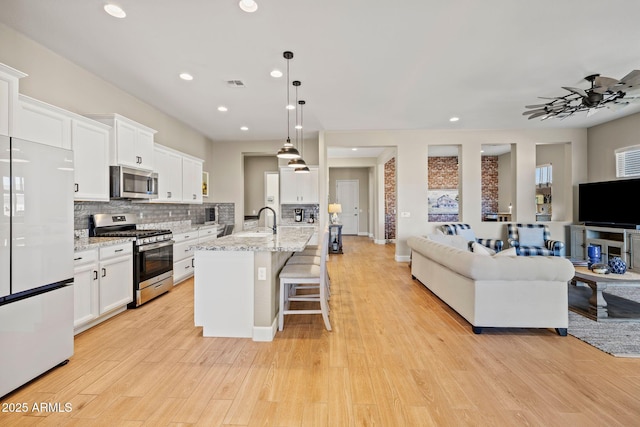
(153, 260)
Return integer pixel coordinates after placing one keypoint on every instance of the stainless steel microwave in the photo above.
(130, 183)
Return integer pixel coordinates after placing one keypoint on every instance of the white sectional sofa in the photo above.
(495, 291)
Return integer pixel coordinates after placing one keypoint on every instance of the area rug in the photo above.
(620, 339)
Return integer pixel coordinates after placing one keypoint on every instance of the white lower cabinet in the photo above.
(183, 256)
(183, 260)
(103, 284)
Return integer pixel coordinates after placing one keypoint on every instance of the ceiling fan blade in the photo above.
(533, 112)
(592, 111)
(536, 106)
(631, 79)
(576, 90)
(617, 106)
(538, 114)
(603, 84)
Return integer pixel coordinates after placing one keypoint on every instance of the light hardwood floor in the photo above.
(397, 356)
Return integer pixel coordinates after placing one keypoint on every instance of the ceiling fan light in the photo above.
(248, 6)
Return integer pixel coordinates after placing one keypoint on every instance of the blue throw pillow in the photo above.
(531, 236)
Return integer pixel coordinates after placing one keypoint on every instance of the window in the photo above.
(544, 174)
(628, 161)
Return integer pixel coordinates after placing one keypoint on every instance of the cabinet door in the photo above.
(634, 252)
(308, 186)
(43, 123)
(116, 283)
(91, 161)
(191, 180)
(85, 294)
(168, 165)
(126, 144)
(288, 186)
(144, 149)
(182, 269)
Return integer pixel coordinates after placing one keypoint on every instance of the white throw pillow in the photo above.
(454, 241)
(467, 233)
(531, 236)
(481, 250)
(507, 252)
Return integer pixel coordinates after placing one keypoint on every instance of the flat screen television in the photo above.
(609, 203)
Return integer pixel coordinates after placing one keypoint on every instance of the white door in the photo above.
(347, 195)
(271, 199)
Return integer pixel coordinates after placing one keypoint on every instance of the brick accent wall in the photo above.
(489, 173)
(390, 199)
(443, 174)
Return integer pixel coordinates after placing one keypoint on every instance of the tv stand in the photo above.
(613, 241)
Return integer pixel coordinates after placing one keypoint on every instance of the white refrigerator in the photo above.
(36, 260)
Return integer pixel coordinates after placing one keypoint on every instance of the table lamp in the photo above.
(335, 209)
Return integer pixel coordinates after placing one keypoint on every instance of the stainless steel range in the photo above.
(152, 254)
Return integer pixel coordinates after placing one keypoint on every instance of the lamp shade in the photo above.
(335, 208)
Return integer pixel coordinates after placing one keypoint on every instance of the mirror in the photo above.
(497, 182)
(443, 193)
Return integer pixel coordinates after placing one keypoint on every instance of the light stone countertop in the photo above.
(87, 243)
(287, 239)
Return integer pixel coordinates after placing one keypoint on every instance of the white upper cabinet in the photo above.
(90, 143)
(168, 165)
(9, 81)
(299, 188)
(131, 142)
(191, 180)
(40, 122)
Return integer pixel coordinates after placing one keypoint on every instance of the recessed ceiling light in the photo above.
(354, 149)
(244, 128)
(290, 107)
(276, 73)
(114, 10)
(186, 76)
(223, 108)
(454, 119)
(249, 6)
(298, 126)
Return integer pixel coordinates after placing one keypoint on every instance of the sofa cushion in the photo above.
(531, 236)
(508, 252)
(467, 233)
(477, 248)
(456, 241)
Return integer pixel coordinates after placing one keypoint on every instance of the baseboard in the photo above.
(363, 233)
(380, 241)
(403, 258)
(265, 333)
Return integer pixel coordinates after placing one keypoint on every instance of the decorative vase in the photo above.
(617, 265)
(593, 252)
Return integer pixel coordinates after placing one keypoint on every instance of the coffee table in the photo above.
(597, 305)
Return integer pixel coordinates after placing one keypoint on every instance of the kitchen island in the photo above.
(236, 281)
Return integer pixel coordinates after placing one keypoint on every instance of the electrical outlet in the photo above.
(405, 214)
(188, 212)
(141, 215)
(169, 214)
(262, 273)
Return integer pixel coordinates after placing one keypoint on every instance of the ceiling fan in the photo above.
(604, 92)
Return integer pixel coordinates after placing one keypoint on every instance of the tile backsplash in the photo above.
(147, 213)
(287, 212)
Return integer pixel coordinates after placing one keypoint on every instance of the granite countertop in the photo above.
(178, 227)
(87, 243)
(288, 239)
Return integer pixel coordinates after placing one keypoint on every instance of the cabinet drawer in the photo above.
(183, 237)
(208, 233)
(182, 269)
(85, 257)
(116, 250)
(182, 251)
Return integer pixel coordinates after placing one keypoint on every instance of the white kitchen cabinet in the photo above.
(40, 122)
(183, 256)
(131, 142)
(103, 284)
(192, 180)
(116, 276)
(9, 82)
(168, 164)
(90, 143)
(85, 287)
(207, 233)
(299, 188)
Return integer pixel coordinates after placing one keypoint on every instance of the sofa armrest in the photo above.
(513, 243)
(495, 244)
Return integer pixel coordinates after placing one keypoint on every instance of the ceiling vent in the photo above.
(235, 83)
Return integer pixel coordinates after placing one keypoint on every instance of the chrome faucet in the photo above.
(265, 221)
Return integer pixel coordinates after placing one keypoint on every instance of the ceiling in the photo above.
(364, 65)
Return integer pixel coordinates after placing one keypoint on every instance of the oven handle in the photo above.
(151, 246)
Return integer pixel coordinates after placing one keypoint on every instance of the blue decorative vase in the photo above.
(593, 252)
(617, 265)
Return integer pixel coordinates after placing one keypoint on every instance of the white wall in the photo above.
(604, 140)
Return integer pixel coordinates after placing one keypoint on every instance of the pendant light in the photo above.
(288, 151)
(299, 162)
(305, 168)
